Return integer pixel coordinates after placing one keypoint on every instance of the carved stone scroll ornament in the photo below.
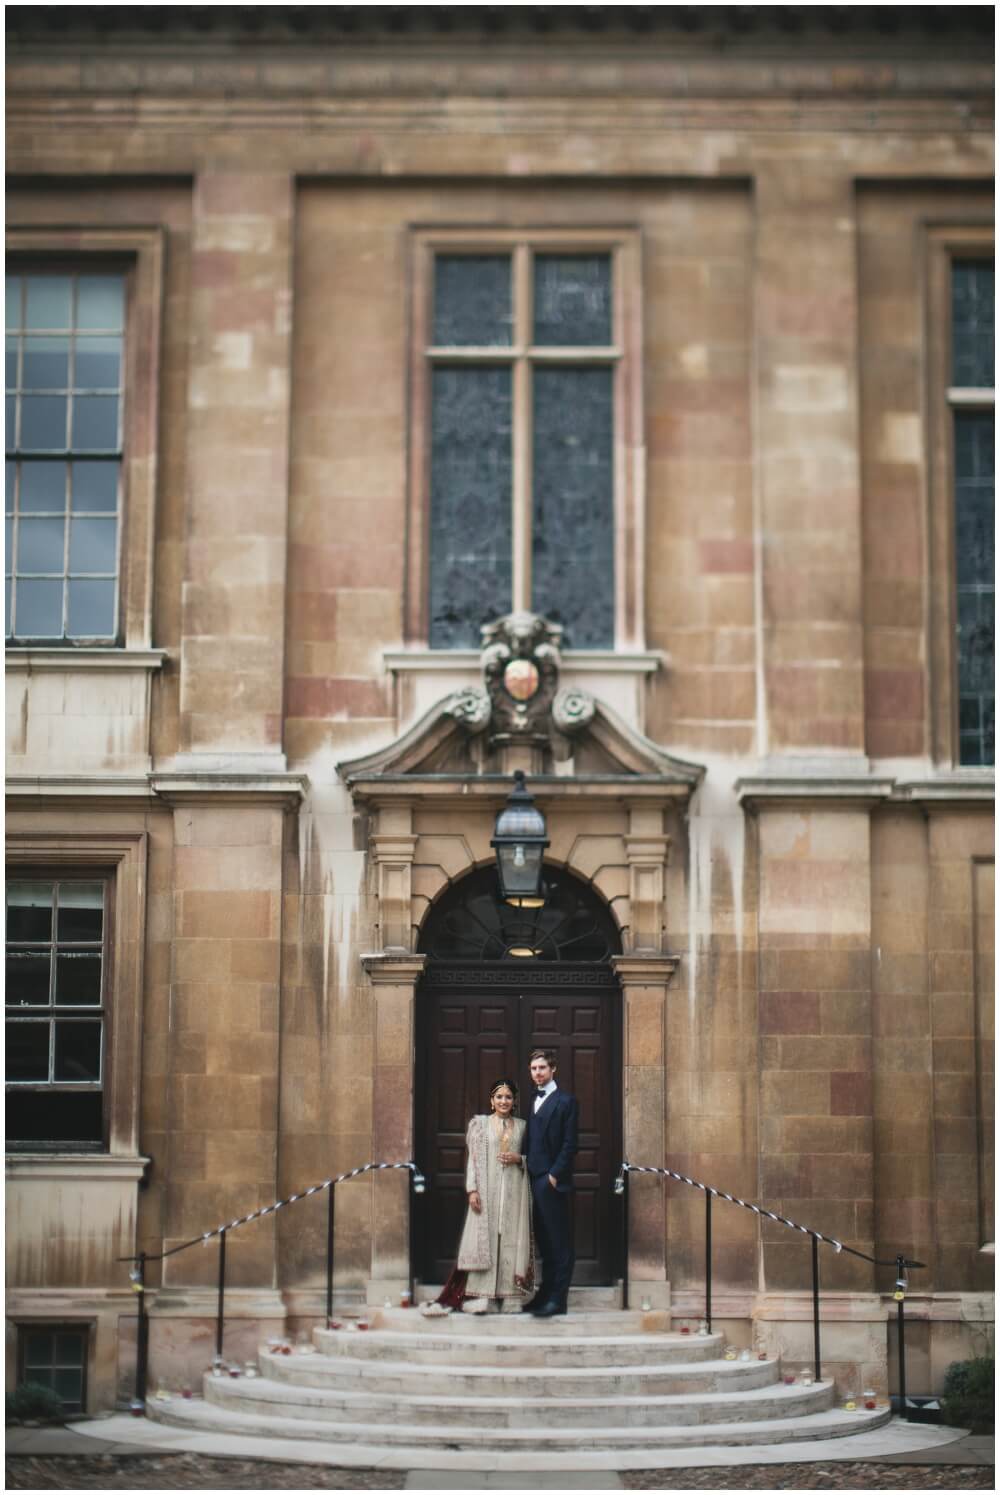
(572, 710)
(470, 707)
(520, 663)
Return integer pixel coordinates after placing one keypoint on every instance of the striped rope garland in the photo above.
(756, 1209)
(270, 1209)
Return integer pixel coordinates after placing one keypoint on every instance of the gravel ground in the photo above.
(190, 1471)
(860, 1475)
(186, 1471)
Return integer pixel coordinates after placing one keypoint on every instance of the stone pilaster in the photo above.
(393, 846)
(647, 850)
(394, 977)
(233, 601)
(808, 479)
(644, 980)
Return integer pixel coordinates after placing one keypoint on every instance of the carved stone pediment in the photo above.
(521, 718)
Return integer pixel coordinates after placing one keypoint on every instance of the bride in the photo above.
(493, 1272)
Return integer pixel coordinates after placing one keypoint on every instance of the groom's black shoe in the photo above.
(531, 1307)
(549, 1310)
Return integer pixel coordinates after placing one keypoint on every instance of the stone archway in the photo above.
(479, 1012)
(614, 803)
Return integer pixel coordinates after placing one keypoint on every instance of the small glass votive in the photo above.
(250, 1370)
(234, 1372)
(744, 1355)
(806, 1378)
(218, 1365)
(850, 1405)
(362, 1323)
(870, 1400)
(685, 1328)
(730, 1354)
(186, 1393)
(645, 1305)
(789, 1378)
(703, 1326)
(761, 1354)
(406, 1298)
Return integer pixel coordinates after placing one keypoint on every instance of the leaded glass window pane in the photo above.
(65, 348)
(472, 301)
(972, 324)
(974, 561)
(572, 301)
(573, 506)
(471, 521)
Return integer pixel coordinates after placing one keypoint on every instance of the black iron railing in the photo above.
(138, 1273)
(901, 1263)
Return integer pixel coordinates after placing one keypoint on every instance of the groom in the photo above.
(549, 1146)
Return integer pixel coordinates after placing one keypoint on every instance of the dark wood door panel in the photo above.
(466, 1040)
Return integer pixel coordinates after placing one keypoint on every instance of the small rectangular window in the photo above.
(55, 1356)
(523, 364)
(971, 398)
(56, 954)
(65, 354)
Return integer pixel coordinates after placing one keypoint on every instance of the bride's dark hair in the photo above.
(498, 1084)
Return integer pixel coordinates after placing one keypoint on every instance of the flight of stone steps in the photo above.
(608, 1381)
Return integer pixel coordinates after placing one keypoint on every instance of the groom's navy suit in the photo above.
(549, 1147)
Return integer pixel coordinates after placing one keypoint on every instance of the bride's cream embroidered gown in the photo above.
(496, 1244)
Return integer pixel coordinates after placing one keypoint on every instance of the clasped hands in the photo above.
(475, 1203)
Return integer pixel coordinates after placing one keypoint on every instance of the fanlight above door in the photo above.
(470, 922)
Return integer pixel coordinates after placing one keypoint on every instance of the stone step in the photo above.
(581, 1299)
(547, 1453)
(614, 1322)
(440, 1346)
(271, 1397)
(385, 1377)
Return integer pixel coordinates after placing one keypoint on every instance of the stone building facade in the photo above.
(240, 782)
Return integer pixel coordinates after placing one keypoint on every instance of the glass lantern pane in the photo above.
(573, 507)
(572, 300)
(470, 560)
(11, 362)
(472, 305)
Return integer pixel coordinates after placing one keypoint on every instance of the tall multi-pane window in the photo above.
(56, 943)
(65, 347)
(971, 398)
(523, 353)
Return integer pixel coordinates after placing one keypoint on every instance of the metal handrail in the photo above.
(137, 1275)
(900, 1262)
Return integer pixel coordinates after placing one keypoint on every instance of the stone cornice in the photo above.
(454, 790)
(83, 1165)
(574, 661)
(167, 789)
(30, 659)
(949, 788)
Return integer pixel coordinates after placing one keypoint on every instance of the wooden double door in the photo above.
(470, 1033)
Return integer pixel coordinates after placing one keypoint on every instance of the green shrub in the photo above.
(32, 1402)
(967, 1399)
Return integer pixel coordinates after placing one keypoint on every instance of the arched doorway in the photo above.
(481, 1008)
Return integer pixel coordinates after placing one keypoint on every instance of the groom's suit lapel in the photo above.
(548, 1110)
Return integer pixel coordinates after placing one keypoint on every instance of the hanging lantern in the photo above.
(520, 839)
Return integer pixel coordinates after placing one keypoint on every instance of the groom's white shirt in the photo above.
(541, 1099)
